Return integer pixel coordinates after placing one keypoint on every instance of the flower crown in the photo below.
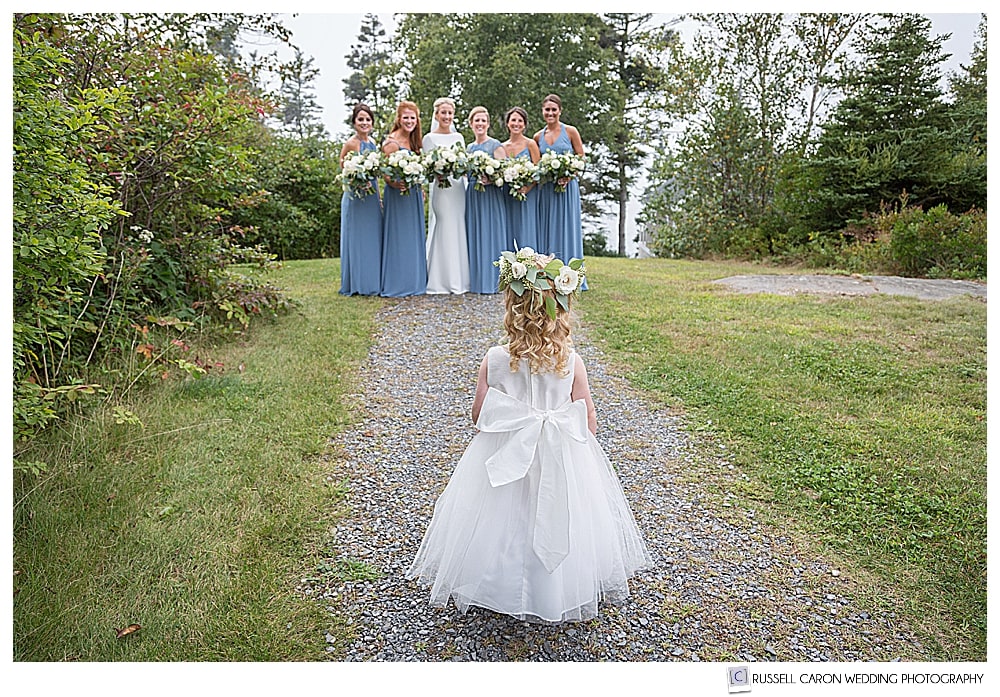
(527, 270)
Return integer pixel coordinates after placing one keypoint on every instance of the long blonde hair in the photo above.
(545, 342)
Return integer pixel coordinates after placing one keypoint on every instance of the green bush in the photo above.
(939, 244)
(59, 210)
(595, 244)
(905, 242)
(295, 213)
(131, 155)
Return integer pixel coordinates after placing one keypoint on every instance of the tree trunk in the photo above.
(622, 208)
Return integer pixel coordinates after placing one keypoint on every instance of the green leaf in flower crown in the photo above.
(550, 307)
(509, 256)
(517, 287)
(542, 283)
(575, 264)
(531, 274)
(552, 268)
(563, 301)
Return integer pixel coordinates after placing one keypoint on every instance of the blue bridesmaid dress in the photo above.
(404, 256)
(485, 227)
(522, 217)
(361, 240)
(559, 228)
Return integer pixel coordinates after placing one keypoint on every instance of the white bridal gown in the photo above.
(534, 522)
(447, 247)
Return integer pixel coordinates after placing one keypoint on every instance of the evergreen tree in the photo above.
(373, 81)
(966, 178)
(889, 134)
(299, 108)
(632, 46)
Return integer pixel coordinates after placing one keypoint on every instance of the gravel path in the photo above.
(724, 587)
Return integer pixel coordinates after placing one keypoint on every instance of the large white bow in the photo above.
(544, 435)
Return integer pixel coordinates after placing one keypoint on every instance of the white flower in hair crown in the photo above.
(527, 270)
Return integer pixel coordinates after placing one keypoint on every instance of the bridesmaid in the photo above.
(447, 256)
(485, 212)
(360, 219)
(559, 226)
(404, 263)
(522, 216)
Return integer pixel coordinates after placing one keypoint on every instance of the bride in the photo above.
(447, 249)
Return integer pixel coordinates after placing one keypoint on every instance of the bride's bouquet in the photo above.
(404, 167)
(445, 163)
(519, 172)
(485, 170)
(358, 172)
(553, 166)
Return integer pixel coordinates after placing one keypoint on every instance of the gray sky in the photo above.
(328, 38)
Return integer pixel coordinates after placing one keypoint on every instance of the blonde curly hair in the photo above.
(533, 335)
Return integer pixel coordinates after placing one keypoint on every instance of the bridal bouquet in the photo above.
(358, 171)
(554, 166)
(519, 173)
(405, 167)
(445, 163)
(485, 170)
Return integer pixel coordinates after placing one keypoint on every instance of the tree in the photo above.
(502, 60)
(822, 38)
(633, 46)
(299, 109)
(966, 175)
(738, 91)
(889, 133)
(373, 81)
(131, 153)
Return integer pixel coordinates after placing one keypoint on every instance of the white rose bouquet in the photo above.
(519, 173)
(553, 166)
(404, 167)
(484, 170)
(358, 173)
(446, 163)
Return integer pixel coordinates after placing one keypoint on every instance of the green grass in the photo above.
(199, 523)
(860, 421)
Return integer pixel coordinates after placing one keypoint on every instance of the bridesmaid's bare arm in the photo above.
(575, 140)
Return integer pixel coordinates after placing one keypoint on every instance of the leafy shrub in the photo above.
(595, 244)
(906, 242)
(131, 155)
(59, 210)
(295, 211)
(937, 243)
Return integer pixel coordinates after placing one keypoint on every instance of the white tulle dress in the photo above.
(534, 522)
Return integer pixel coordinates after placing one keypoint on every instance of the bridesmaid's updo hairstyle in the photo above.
(554, 98)
(415, 138)
(516, 110)
(479, 110)
(361, 107)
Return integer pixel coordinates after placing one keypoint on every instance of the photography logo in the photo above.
(739, 679)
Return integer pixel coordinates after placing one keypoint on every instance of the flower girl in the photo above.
(534, 522)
